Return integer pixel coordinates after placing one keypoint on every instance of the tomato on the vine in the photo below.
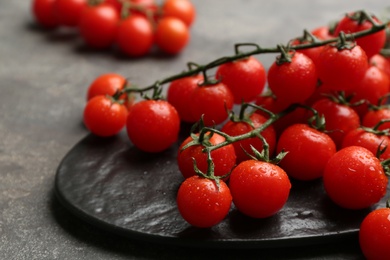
(259, 189)
(293, 81)
(153, 125)
(43, 13)
(245, 78)
(182, 9)
(104, 117)
(381, 62)
(322, 32)
(98, 25)
(202, 203)
(354, 178)
(171, 35)
(68, 12)
(224, 158)
(308, 151)
(106, 84)
(374, 234)
(373, 117)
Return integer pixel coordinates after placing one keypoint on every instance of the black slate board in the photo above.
(111, 184)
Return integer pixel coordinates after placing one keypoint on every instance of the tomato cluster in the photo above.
(133, 26)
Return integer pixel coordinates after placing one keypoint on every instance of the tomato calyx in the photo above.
(343, 43)
(94, 2)
(286, 55)
(316, 121)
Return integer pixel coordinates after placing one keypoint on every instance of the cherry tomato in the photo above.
(182, 9)
(373, 117)
(43, 13)
(381, 62)
(153, 125)
(180, 93)
(312, 53)
(354, 178)
(104, 117)
(259, 189)
(245, 78)
(368, 140)
(116, 4)
(68, 12)
(342, 69)
(211, 101)
(135, 36)
(339, 119)
(374, 234)
(322, 33)
(98, 25)
(372, 43)
(237, 128)
(171, 35)
(308, 151)
(293, 81)
(201, 203)
(224, 158)
(106, 84)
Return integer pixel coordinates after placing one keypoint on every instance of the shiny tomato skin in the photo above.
(293, 81)
(182, 9)
(153, 125)
(342, 69)
(98, 25)
(368, 140)
(43, 13)
(354, 178)
(238, 128)
(106, 84)
(68, 12)
(308, 151)
(381, 62)
(103, 117)
(245, 78)
(179, 95)
(374, 234)
(171, 35)
(322, 33)
(259, 189)
(373, 117)
(211, 101)
(201, 203)
(224, 158)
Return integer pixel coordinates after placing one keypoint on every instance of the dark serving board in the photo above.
(111, 184)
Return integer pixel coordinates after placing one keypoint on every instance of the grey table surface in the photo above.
(43, 80)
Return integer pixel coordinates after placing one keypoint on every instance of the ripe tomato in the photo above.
(104, 117)
(211, 101)
(373, 117)
(106, 84)
(224, 158)
(182, 9)
(237, 128)
(342, 69)
(340, 119)
(293, 81)
(180, 93)
(381, 62)
(245, 78)
(153, 125)
(308, 151)
(372, 43)
(312, 53)
(68, 12)
(116, 4)
(201, 203)
(135, 36)
(374, 234)
(322, 33)
(354, 178)
(43, 13)
(368, 140)
(259, 189)
(171, 35)
(98, 25)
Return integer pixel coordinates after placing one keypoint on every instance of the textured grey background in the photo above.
(43, 80)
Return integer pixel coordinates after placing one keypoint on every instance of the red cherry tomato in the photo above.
(354, 178)
(259, 189)
(68, 12)
(343, 69)
(374, 234)
(372, 43)
(98, 25)
(171, 35)
(201, 203)
(153, 125)
(322, 33)
(104, 117)
(293, 81)
(106, 84)
(43, 13)
(180, 93)
(368, 140)
(373, 117)
(182, 9)
(237, 128)
(245, 78)
(116, 4)
(312, 53)
(135, 36)
(381, 62)
(211, 101)
(224, 158)
(308, 151)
